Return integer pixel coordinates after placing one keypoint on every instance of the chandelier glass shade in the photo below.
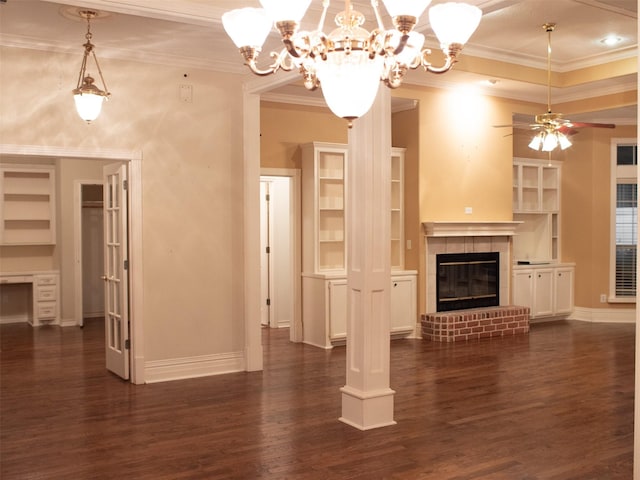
(87, 96)
(349, 62)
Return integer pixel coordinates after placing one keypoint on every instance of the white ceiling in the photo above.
(189, 34)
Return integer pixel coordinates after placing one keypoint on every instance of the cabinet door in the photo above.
(523, 288)
(543, 296)
(337, 295)
(563, 290)
(403, 304)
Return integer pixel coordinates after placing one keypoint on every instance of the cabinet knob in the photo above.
(395, 284)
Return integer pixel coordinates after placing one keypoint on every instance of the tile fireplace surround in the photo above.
(471, 237)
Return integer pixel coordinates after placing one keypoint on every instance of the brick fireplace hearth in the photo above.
(461, 325)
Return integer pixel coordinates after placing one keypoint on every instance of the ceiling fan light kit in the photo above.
(349, 62)
(553, 130)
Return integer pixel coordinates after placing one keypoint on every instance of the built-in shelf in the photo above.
(27, 205)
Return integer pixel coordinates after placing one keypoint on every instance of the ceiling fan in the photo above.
(553, 130)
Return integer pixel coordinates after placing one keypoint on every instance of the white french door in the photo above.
(116, 293)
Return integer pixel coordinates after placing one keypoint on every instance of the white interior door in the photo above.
(277, 251)
(116, 270)
(265, 267)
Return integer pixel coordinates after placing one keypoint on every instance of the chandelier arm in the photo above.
(280, 61)
(325, 7)
(375, 4)
(393, 75)
(449, 62)
(401, 44)
(310, 79)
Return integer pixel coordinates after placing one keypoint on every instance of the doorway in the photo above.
(91, 256)
(132, 160)
(280, 250)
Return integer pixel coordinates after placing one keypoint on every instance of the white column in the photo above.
(367, 400)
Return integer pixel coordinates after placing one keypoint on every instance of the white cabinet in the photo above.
(536, 203)
(337, 307)
(403, 304)
(546, 289)
(45, 298)
(45, 294)
(324, 308)
(564, 284)
(27, 205)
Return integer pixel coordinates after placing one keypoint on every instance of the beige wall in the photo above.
(457, 159)
(284, 127)
(192, 182)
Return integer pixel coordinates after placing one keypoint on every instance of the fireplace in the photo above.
(468, 238)
(467, 280)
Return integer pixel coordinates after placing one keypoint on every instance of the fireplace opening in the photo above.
(467, 280)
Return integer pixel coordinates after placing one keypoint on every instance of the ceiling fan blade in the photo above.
(593, 125)
(516, 125)
(567, 130)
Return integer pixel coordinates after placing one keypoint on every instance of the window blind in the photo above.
(626, 238)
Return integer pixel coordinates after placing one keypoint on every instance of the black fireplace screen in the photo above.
(467, 280)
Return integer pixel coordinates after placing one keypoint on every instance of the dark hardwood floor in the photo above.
(554, 404)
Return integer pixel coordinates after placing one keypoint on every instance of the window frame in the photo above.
(619, 174)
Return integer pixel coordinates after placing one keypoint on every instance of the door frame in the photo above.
(133, 158)
(295, 329)
(77, 247)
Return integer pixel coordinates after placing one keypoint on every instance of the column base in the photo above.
(367, 410)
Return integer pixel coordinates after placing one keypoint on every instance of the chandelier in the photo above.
(88, 97)
(349, 62)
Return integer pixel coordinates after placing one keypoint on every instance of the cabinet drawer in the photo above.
(46, 310)
(45, 280)
(16, 279)
(46, 294)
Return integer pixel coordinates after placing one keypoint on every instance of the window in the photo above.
(624, 219)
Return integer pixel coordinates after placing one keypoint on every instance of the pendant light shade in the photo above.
(350, 83)
(247, 27)
(454, 23)
(88, 98)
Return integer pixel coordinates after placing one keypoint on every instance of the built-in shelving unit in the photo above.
(536, 203)
(324, 246)
(27, 206)
(540, 280)
(397, 208)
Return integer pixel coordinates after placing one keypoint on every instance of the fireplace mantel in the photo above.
(470, 229)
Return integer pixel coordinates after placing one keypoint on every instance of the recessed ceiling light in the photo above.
(611, 40)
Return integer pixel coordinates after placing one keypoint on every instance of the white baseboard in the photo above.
(604, 315)
(68, 322)
(20, 318)
(192, 367)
